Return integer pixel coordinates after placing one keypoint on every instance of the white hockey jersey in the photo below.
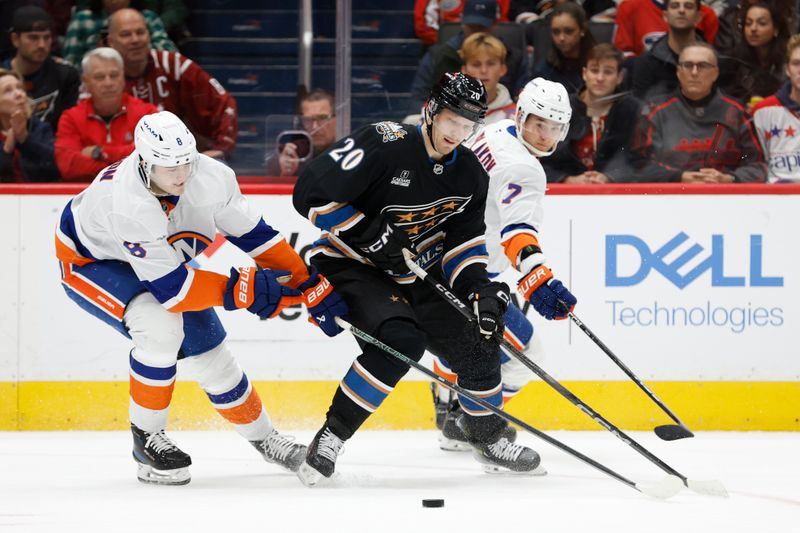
(514, 210)
(777, 121)
(118, 218)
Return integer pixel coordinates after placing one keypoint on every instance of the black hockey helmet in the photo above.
(460, 93)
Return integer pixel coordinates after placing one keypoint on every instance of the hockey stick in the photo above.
(710, 488)
(665, 432)
(666, 488)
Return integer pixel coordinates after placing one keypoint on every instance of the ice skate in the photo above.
(504, 456)
(159, 460)
(281, 450)
(321, 457)
(453, 439)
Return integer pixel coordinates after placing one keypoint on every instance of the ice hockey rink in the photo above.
(85, 481)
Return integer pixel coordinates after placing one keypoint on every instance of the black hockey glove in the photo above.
(490, 303)
(383, 244)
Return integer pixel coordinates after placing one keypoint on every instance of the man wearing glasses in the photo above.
(698, 135)
(318, 118)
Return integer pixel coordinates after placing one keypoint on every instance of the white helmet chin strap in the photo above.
(532, 149)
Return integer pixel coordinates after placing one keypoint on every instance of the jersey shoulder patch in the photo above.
(390, 131)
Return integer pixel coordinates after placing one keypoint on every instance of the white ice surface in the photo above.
(85, 481)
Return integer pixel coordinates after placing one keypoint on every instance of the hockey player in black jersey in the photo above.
(388, 187)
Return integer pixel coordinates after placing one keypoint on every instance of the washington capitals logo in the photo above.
(419, 219)
(188, 243)
(391, 131)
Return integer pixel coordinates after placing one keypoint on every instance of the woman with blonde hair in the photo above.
(27, 153)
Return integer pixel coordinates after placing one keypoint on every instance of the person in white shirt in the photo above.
(484, 57)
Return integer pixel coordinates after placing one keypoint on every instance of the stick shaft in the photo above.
(583, 327)
(483, 403)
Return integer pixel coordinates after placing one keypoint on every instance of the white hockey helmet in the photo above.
(163, 139)
(546, 99)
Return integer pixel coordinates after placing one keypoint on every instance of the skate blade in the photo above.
(500, 470)
(452, 445)
(309, 476)
(150, 475)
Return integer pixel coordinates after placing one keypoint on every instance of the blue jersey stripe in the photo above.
(254, 238)
(495, 399)
(449, 267)
(514, 227)
(328, 221)
(67, 227)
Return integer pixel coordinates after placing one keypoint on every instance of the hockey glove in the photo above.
(490, 304)
(547, 295)
(259, 292)
(323, 304)
(383, 245)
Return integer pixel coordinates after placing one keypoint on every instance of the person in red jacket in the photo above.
(640, 23)
(175, 83)
(99, 130)
(429, 14)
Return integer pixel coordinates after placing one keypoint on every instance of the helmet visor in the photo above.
(542, 132)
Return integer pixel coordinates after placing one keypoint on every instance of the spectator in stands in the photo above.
(755, 67)
(444, 57)
(88, 27)
(654, 71)
(777, 121)
(484, 57)
(641, 22)
(50, 82)
(318, 118)
(572, 40)
(730, 32)
(175, 83)
(27, 153)
(99, 130)
(600, 130)
(173, 14)
(430, 14)
(698, 135)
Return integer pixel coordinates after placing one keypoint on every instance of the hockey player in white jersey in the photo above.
(508, 151)
(124, 246)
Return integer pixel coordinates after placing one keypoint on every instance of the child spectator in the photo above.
(600, 132)
(777, 121)
(27, 153)
(484, 57)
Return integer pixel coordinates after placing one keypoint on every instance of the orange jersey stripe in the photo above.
(283, 257)
(68, 255)
(100, 298)
(150, 397)
(516, 243)
(245, 413)
(207, 290)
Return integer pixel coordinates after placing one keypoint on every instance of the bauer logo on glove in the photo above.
(547, 295)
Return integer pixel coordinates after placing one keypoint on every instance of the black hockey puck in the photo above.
(433, 503)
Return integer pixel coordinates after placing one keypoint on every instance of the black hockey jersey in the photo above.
(383, 169)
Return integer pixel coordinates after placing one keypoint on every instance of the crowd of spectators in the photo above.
(66, 118)
(680, 90)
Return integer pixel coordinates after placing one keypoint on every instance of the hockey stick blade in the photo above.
(664, 489)
(710, 487)
(672, 432)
